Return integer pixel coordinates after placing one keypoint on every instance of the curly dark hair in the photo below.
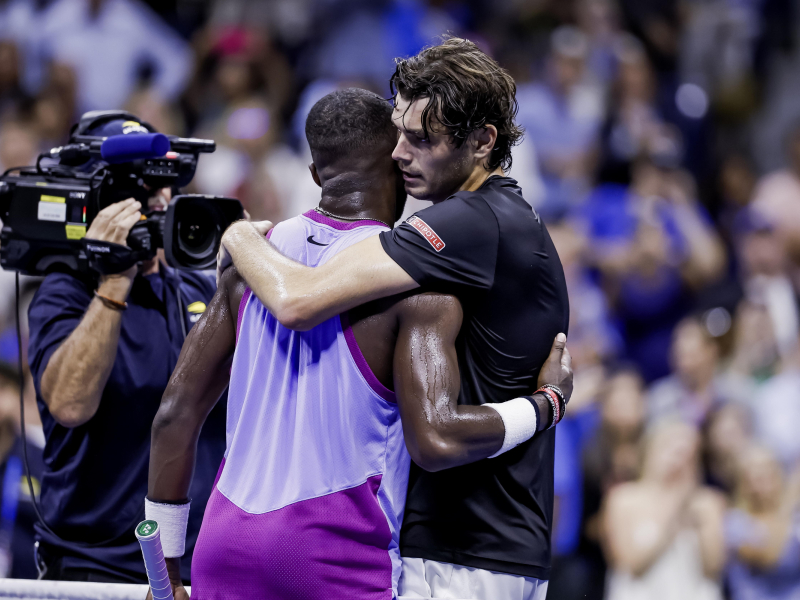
(349, 120)
(468, 90)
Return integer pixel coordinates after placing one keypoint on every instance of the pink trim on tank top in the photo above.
(340, 225)
(362, 363)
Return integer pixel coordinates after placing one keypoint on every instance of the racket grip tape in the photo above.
(149, 537)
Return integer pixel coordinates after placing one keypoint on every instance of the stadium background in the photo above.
(662, 148)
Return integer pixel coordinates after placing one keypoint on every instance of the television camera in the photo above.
(111, 155)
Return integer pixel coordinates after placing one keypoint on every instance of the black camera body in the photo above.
(46, 210)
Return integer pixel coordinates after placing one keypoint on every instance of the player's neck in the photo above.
(478, 177)
(358, 200)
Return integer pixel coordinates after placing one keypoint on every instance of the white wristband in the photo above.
(519, 419)
(172, 520)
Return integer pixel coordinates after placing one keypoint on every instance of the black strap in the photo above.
(108, 258)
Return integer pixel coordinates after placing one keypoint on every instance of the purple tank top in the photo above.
(310, 497)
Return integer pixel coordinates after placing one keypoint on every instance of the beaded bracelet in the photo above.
(110, 302)
(562, 402)
(555, 409)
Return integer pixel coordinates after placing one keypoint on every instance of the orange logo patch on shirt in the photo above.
(426, 231)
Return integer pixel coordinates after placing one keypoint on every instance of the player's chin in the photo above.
(417, 189)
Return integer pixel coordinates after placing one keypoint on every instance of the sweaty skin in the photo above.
(301, 297)
(408, 342)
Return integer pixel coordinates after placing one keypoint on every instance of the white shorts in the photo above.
(422, 578)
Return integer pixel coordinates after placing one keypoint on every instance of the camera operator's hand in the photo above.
(224, 257)
(113, 224)
(77, 372)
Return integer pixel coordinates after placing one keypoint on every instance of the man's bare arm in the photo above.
(440, 433)
(76, 374)
(199, 379)
(301, 297)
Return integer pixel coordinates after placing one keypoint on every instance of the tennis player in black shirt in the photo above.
(480, 530)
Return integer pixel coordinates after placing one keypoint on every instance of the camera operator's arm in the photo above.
(73, 380)
(200, 377)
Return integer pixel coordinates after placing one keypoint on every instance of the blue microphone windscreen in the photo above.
(123, 148)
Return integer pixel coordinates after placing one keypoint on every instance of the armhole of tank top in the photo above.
(361, 362)
(242, 304)
(245, 298)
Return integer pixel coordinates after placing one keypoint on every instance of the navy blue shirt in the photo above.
(95, 476)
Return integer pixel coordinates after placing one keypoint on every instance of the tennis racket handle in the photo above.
(149, 537)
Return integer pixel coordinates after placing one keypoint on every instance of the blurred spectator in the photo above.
(696, 386)
(755, 354)
(611, 456)
(561, 116)
(52, 119)
(718, 51)
(389, 29)
(11, 94)
(634, 126)
(253, 165)
(777, 196)
(766, 274)
(19, 144)
(236, 64)
(288, 20)
(762, 530)
(18, 515)
(112, 45)
(654, 246)
(150, 107)
(572, 574)
(777, 413)
(593, 340)
(600, 21)
(728, 431)
(21, 23)
(664, 533)
(736, 182)
(252, 162)
(657, 22)
(525, 169)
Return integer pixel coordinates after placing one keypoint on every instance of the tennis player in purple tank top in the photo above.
(322, 424)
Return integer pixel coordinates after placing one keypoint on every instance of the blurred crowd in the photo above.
(662, 148)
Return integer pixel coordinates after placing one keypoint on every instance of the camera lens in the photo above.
(193, 229)
(198, 232)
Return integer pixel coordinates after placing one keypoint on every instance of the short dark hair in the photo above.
(468, 90)
(348, 120)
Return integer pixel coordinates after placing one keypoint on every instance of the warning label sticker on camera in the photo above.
(52, 211)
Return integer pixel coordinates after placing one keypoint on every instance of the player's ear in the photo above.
(482, 141)
(313, 168)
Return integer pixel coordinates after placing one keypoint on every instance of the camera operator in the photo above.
(101, 353)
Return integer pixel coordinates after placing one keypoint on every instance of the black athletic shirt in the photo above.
(490, 250)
